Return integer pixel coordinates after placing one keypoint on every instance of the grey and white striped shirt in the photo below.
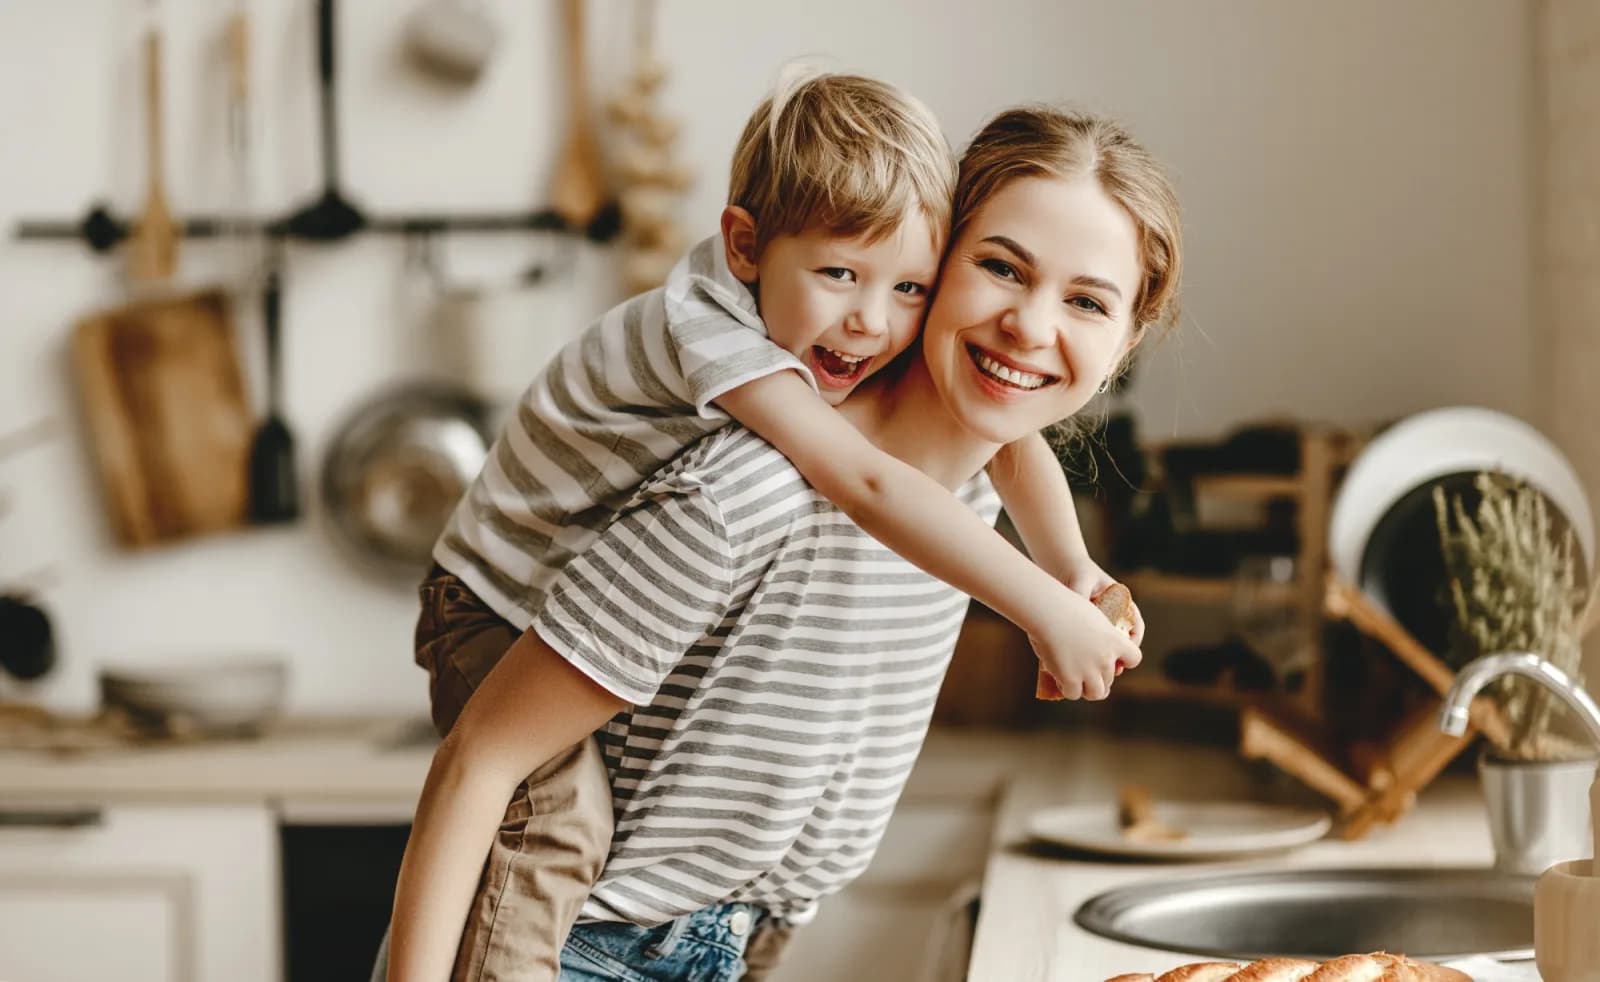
(611, 408)
(783, 667)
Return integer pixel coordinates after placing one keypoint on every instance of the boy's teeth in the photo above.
(1022, 380)
(847, 359)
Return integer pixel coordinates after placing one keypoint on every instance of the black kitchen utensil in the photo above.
(331, 217)
(274, 486)
(27, 644)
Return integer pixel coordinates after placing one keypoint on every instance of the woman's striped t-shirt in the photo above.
(610, 409)
(783, 667)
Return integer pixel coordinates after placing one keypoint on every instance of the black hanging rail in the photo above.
(104, 231)
(330, 217)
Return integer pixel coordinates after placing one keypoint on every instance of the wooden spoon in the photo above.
(153, 245)
(578, 191)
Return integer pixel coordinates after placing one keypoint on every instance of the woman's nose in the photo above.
(1027, 326)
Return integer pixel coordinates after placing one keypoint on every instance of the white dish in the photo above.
(1215, 829)
(1438, 443)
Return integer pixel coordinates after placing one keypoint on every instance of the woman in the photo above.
(759, 672)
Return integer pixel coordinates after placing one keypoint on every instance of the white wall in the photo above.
(1357, 181)
(1568, 260)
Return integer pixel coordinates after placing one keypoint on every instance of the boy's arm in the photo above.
(531, 706)
(922, 521)
(1039, 500)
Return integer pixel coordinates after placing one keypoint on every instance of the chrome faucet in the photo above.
(1481, 671)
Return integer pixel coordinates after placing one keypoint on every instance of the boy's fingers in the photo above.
(1131, 657)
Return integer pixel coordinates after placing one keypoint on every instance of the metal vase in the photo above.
(1538, 811)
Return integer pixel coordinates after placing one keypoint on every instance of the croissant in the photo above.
(1375, 967)
(1116, 603)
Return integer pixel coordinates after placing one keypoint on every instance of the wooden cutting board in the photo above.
(164, 402)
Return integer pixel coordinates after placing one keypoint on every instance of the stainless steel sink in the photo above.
(1321, 913)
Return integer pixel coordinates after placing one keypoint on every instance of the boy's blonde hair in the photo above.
(1046, 142)
(845, 153)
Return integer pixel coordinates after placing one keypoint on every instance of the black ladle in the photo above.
(331, 217)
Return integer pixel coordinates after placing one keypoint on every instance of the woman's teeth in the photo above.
(1008, 375)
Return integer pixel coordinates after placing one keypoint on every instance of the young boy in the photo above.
(839, 206)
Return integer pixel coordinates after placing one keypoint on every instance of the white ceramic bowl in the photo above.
(232, 695)
(1382, 535)
(1439, 443)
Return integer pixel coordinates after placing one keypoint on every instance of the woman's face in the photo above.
(1034, 306)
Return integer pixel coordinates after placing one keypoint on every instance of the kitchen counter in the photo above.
(1025, 928)
(372, 770)
(353, 769)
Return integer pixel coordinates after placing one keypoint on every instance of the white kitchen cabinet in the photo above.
(908, 903)
(139, 893)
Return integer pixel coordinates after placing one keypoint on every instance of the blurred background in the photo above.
(1390, 208)
(1386, 209)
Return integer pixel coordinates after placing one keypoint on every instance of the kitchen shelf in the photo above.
(1250, 487)
(1221, 694)
(1195, 589)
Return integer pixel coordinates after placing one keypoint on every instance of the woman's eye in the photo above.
(1090, 304)
(1000, 268)
(911, 289)
(838, 273)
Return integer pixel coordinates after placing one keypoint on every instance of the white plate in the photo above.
(1438, 443)
(1216, 829)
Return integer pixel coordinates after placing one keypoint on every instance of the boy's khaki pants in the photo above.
(556, 833)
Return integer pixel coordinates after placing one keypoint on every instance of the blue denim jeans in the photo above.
(705, 946)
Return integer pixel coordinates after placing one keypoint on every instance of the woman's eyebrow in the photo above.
(1014, 246)
(1027, 257)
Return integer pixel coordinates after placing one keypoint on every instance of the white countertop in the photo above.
(350, 767)
(1025, 928)
(351, 770)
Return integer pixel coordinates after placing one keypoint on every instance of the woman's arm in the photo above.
(922, 521)
(530, 707)
(1039, 500)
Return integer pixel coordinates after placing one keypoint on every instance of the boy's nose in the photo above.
(868, 321)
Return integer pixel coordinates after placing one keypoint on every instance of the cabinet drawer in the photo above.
(180, 893)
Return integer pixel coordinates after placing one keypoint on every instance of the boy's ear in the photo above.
(739, 243)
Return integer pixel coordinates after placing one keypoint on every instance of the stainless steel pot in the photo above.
(1538, 811)
(395, 469)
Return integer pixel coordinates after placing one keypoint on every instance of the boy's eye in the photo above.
(1090, 304)
(838, 273)
(1000, 268)
(911, 289)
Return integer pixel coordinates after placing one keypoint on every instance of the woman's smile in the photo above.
(1007, 376)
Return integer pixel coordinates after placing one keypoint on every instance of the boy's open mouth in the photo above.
(1006, 375)
(836, 368)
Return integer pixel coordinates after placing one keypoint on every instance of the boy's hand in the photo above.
(1085, 578)
(1082, 650)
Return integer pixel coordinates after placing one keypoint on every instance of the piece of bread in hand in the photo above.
(1116, 603)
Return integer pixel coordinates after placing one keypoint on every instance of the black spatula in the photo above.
(274, 486)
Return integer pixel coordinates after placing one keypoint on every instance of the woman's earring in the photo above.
(1105, 386)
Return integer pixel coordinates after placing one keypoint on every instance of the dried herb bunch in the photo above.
(1516, 585)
